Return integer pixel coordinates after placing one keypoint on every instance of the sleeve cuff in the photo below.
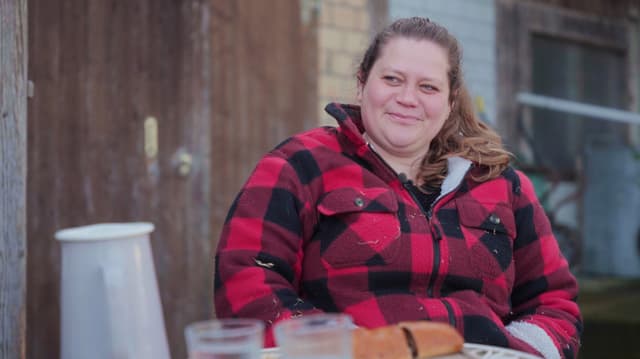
(536, 337)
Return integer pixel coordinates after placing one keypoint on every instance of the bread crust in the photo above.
(433, 338)
(381, 343)
(406, 340)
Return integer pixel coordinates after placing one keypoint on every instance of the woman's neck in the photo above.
(402, 165)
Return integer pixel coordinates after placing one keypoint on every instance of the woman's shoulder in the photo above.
(324, 137)
(517, 183)
(510, 177)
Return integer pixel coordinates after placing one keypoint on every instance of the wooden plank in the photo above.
(264, 88)
(13, 174)
(510, 70)
(185, 259)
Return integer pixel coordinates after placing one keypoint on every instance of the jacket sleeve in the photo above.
(259, 254)
(546, 315)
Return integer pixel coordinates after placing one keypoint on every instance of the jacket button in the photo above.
(494, 219)
(358, 202)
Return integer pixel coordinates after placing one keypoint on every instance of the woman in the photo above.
(407, 211)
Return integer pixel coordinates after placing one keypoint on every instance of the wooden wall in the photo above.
(13, 174)
(226, 80)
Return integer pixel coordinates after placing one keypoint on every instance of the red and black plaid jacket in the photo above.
(323, 224)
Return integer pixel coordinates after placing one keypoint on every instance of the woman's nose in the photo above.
(407, 96)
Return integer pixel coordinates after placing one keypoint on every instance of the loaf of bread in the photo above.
(406, 340)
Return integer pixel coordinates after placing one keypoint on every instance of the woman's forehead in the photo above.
(422, 57)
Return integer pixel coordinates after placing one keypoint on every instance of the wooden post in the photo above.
(13, 165)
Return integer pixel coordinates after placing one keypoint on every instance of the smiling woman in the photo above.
(407, 211)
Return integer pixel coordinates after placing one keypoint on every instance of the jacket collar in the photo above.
(350, 122)
(457, 168)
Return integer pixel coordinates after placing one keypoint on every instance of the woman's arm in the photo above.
(543, 300)
(259, 255)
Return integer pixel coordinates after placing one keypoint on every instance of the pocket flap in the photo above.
(492, 217)
(344, 200)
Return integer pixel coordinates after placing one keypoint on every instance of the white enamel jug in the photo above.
(110, 305)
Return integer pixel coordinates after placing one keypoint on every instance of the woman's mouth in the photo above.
(403, 118)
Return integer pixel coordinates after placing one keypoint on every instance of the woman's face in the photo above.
(405, 99)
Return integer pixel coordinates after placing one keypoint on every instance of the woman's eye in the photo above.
(391, 79)
(429, 88)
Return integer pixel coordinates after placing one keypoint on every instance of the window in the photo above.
(583, 73)
(567, 89)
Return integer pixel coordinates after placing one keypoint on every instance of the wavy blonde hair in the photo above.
(462, 134)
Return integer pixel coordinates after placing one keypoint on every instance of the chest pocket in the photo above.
(489, 231)
(358, 227)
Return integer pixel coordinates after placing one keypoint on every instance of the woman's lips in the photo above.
(403, 118)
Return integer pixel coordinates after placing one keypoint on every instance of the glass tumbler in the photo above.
(316, 336)
(232, 338)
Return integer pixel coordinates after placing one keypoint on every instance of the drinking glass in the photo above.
(316, 336)
(232, 338)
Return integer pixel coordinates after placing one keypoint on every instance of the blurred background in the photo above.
(157, 110)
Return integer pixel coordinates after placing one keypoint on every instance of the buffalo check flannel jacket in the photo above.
(324, 224)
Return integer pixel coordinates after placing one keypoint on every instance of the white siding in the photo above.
(473, 23)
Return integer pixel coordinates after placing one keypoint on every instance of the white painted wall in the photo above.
(473, 23)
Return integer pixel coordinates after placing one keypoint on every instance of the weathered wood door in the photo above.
(100, 69)
(13, 173)
(224, 80)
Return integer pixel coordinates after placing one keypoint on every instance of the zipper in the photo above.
(436, 242)
(406, 186)
(435, 233)
(429, 214)
(436, 246)
(452, 317)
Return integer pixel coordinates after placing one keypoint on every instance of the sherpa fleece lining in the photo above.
(536, 337)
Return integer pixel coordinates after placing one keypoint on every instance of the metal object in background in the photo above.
(611, 207)
(578, 108)
(151, 137)
(183, 162)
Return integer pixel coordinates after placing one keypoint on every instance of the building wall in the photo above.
(343, 34)
(473, 23)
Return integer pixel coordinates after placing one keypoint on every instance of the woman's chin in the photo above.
(404, 144)
(404, 138)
